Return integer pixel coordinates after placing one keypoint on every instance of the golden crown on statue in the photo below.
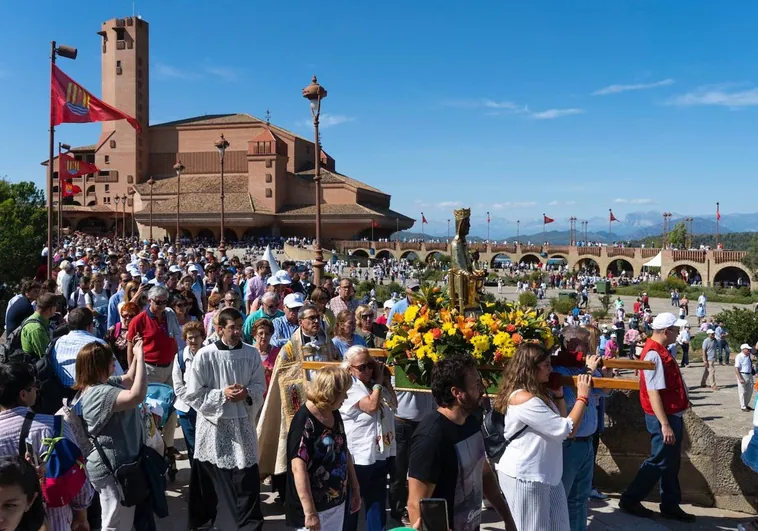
(462, 213)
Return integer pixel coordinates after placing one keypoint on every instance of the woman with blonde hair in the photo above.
(366, 327)
(536, 425)
(344, 333)
(319, 465)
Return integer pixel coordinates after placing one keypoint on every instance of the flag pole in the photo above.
(543, 228)
(372, 230)
(718, 218)
(51, 153)
(422, 228)
(60, 197)
(610, 233)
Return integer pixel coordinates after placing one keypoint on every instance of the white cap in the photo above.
(293, 300)
(389, 303)
(80, 263)
(133, 271)
(709, 332)
(283, 277)
(174, 269)
(745, 346)
(194, 267)
(65, 264)
(613, 336)
(666, 320)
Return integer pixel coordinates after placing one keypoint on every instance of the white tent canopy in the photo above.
(656, 261)
(269, 257)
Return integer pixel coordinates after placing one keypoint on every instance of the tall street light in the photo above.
(221, 144)
(314, 93)
(150, 183)
(178, 168)
(68, 52)
(123, 218)
(117, 200)
(131, 192)
(62, 146)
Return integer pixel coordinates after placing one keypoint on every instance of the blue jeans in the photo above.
(372, 480)
(187, 422)
(663, 464)
(578, 467)
(722, 347)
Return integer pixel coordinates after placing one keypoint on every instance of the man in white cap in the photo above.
(286, 325)
(710, 348)
(664, 399)
(743, 367)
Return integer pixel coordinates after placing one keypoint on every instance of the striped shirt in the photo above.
(283, 331)
(66, 350)
(11, 421)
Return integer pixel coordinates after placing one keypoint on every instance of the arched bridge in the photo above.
(713, 266)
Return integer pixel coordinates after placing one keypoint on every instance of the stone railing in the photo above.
(592, 251)
(503, 248)
(690, 256)
(558, 249)
(649, 253)
(531, 248)
(479, 247)
(620, 251)
(720, 257)
(436, 246)
(410, 246)
(356, 244)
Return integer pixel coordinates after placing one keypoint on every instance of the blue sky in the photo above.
(568, 108)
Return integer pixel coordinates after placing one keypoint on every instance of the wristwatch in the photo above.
(376, 387)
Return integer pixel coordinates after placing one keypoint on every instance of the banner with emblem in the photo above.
(69, 189)
(69, 167)
(71, 103)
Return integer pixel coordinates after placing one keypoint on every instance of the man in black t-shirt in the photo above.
(447, 450)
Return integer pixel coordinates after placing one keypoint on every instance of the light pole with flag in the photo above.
(423, 222)
(611, 219)
(488, 227)
(718, 218)
(545, 221)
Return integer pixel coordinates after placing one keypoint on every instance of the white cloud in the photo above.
(225, 73)
(328, 120)
(164, 71)
(553, 203)
(513, 204)
(555, 113)
(723, 95)
(616, 89)
(448, 204)
(641, 201)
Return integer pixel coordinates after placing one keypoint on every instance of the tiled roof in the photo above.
(90, 209)
(234, 203)
(337, 178)
(84, 149)
(354, 209)
(224, 119)
(192, 184)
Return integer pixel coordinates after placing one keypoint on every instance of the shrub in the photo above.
(432, 275)
(675, 283)
(528, 299)
(564, 306)
(383, 291)
(599, 314)
(742, 325)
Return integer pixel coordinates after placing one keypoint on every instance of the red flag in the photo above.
(612, 217)
(69, 167)
(70, 103)
(546, 219)
(69, 189)
(423, 219)
(374, 224)
(718, 213)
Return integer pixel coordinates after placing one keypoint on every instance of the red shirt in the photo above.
(157, 344)
(674, 397)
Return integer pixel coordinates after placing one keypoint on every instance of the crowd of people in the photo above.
(143, 338)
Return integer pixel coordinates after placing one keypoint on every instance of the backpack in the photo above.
(63, 461)
(50, 390)
(11, 350)
(493, 428)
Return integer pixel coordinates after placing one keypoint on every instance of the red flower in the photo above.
(510, 328)
(498, 356)
(436, 332)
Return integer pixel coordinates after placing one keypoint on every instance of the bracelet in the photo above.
(583, 399)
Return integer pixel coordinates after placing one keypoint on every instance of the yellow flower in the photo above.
(429, 338)
(486, 319)
(411, 313)
(434, 356)
(501, 339)
(447, 327)
(391, 343)
(421, 321)
(423, 352)
(480, 343)
(478, 354)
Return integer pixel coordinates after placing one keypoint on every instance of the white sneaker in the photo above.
(597, 495)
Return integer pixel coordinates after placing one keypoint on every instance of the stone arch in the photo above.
(230, 235)
(91, 189)
(433, 255)
(587, 262)
(185, 233)
(384, 253)
(359, 253)
(690, 270)
(531, 258)
(616, 265)
(206, 233)
(730, 275)
(92, 203)
(410, 256)
(93, 224)
(498, 259)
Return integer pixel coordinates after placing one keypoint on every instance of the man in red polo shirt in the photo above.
(664, 399)
(158, 328)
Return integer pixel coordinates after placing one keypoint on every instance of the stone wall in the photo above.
(712, 473)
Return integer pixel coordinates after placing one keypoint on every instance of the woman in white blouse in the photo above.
(536, 425)
(367, 414)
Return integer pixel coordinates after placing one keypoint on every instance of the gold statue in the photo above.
(465, 281)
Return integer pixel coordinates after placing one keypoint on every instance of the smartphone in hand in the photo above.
(32, 451)
(434, 514)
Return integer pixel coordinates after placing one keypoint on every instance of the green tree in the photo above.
(750, 260)
(742, 325)
(528, 299)
(23, 230)
(678, 235)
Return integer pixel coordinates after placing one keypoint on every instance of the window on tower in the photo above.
(107, 159)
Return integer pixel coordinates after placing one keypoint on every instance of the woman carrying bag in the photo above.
(117, 465)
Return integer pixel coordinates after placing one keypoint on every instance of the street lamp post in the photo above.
(123, 218)
(69, 53)
(150, 183)
(178, 168)
(518, 232)
(131, 192)
(117, 200)
(448, 231)
(221, 144)
(314, 93)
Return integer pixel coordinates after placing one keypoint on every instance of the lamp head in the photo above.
(69, 52)
(178, 168)
(314, 93)
(221, 144)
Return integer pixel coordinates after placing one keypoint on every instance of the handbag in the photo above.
(130, 478)
(493, 429)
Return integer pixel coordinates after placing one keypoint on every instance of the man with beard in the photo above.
(447, 450)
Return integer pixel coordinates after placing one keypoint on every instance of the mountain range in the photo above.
(634, 226)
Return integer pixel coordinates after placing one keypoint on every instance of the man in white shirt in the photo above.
(743, 368)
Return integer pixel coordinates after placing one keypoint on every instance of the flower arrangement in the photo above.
(429, 329)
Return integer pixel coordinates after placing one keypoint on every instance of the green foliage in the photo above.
(742, 325)
(528, 299)
(750, 260)
(432, 275)
(599, 314)
(489, 297)
(678, 236)
(675, 283)
(605, 306)
(23, 230)
(383, 291)
(662, 290)
(564, 306)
